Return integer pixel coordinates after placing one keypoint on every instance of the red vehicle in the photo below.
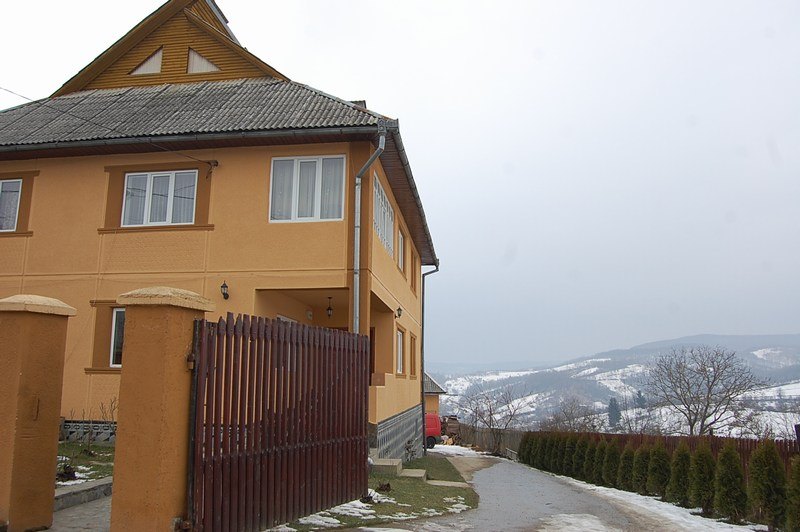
(433, 430)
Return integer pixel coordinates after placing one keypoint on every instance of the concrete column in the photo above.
(150, 465)
(33, 333)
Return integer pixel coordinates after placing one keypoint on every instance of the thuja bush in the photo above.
(599, 459)
(768, 485)
(625, 470)
(730, 497)
(569, 454)
(532, 450)
(793, 498)
(701, 475)
(588, 461)
(611, 464)
(678, 487)
(547, 450)
(641, 462)
(658, 470)
(558, 456)
(579, 457)
(523, 451)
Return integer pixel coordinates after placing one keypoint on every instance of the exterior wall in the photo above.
(71, 258)
(432, 403)
(393, 289)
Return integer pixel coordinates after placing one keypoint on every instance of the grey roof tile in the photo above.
(206, 107)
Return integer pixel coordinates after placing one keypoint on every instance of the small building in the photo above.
(432, 391)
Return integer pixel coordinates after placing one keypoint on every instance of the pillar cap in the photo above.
(166, 296)
(37, 304)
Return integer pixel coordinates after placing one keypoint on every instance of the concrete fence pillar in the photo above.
(33, 333)
(150, 465)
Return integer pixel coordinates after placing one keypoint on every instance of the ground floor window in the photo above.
(401, 337)
(117, 334)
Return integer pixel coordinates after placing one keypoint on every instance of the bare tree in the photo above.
(496, 410)
(572, 415)
(702, 384)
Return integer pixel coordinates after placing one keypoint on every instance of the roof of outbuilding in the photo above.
(431, 386)
(175, 109)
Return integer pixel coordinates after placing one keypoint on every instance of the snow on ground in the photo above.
(453, 450)
(572, 523)
(585, 373)
(459, 385)
(613, 380)
(768, 353)
(790, 389)
(576, 365)
(673, 517)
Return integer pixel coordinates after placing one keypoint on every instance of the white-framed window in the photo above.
(10, 192)
(307, 189)
(383, 216)
(117, 334)
(401, 251)
(401, 336)
(159, 198)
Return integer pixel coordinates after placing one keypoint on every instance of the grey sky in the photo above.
(595, 174)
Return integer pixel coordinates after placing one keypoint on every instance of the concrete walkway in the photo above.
(95, 515)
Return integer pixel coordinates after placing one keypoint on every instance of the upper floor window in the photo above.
(401, 340)
(159, 198)
(307, 189)
(383, 216)
(401, 251)
(10, 192)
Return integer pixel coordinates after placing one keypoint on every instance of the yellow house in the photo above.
(179, 158)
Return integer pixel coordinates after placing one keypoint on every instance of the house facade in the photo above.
(178, 158)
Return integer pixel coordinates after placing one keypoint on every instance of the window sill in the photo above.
(400, 375)
(154, 229)
(102, 371)
(9, 234)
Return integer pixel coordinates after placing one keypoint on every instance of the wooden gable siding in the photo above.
(204, 11)
(176, 36)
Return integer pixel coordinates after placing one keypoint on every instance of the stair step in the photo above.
(388, 466)
(415, 473)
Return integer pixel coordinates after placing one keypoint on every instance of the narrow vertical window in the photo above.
(383, 216)
(401, 251)
(412, 355)
(400, 342)
(117, 335)
(9, 203)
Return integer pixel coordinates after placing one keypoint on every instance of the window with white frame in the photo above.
(401, 336)
(159, 198)
(383, 216)
(401, 251)
(117, 334)
(10, 191)
(307, 189)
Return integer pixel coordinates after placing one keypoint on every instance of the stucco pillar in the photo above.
(151, 459)
(33, 333)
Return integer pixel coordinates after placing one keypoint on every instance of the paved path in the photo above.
(93, 515)
(514, 497)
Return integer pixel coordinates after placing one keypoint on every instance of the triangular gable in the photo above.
(172, 28)
(199, 64)
(151, 65)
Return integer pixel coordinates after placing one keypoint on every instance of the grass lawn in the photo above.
(408, 499)
(86, 466)
(439, 468)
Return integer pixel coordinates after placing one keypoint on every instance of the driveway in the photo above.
(516, 497)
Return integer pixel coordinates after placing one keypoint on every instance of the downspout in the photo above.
(357, 227)
(422, 354)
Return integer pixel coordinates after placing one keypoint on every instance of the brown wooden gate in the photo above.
(280, 422)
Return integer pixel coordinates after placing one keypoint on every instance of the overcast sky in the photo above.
(595, 174)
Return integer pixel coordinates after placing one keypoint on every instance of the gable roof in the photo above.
(204, 15)
(431, 386)
(242, 112)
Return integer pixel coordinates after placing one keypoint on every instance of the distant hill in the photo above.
(621, 373)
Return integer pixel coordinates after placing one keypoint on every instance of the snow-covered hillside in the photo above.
(621, 374)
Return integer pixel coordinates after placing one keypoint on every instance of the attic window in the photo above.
(151, 65)
(198, 64)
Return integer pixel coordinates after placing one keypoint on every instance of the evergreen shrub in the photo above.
(730, 496)
(641, 462)
(625, 470)
(678, 487)
(768, 485)
(658, 470)
(611, 464)
(701, 474)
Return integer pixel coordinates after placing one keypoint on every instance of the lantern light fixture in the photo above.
(329, 310)
(223, 288)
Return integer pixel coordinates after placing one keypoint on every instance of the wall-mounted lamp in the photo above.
(398, 312)
(224, 289)
(329, 310)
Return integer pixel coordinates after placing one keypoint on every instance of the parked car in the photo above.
(433, 430)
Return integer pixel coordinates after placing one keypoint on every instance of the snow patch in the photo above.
(573, 523)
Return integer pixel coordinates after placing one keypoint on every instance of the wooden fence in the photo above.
(280, 419)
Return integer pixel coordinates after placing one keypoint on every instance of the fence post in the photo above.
(150, 471)
(33, 332)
